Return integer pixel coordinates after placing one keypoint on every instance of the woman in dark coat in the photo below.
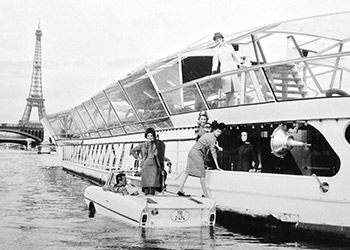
(246, 155)
(151, 153)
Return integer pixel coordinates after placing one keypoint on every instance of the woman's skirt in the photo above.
(150, 176)
(195, 163)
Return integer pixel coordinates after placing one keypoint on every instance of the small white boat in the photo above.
(153, 211)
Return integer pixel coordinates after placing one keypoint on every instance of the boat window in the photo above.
(124, 110)
(143, 96)
(180, 99)
(87, 121)
(249, 86)
(183, 99)
(196, 67)
(96, 117)
(108, 114)
(53, 125)
(307, 152)
(166, 75)
(57, 128)
(159, 123)
(80, 124)
(63, 125)
(131, 128)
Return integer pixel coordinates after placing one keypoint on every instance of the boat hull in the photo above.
(265, 199)
(270, 227)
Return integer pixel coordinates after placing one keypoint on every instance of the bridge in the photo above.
(26, 132)
(22, 134)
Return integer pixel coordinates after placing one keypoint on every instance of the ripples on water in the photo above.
(42, 207)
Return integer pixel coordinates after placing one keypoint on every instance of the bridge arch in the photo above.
(36, 134)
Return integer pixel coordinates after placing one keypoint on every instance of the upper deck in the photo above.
(301, 59)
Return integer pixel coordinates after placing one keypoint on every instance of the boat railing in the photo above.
(291, 79)
(116, 156)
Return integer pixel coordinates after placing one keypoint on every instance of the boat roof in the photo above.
(286, 61)
(330, 26)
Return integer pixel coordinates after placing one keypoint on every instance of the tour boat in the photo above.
(293, 101)
(163, 210)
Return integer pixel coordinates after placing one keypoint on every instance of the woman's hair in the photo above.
(203, 113)
(215, 125)
(150, 131)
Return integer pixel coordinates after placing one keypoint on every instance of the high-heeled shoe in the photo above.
(179, 193)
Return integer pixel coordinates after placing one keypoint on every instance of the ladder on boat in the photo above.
(287, 81)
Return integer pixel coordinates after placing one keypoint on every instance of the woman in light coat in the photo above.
(228, 59)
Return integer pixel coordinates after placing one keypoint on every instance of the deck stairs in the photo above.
(287, 81)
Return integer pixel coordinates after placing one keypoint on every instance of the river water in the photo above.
(42, 207)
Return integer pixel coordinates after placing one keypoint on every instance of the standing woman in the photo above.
(247, 156)
(225, 59)
(151, 153)
(197, 155)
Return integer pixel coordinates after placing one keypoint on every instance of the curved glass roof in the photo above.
(290, 60)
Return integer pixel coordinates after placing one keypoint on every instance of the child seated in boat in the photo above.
(121, 186)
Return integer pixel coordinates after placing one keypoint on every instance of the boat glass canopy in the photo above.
(295, 60)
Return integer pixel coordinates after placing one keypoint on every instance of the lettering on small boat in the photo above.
(180, 215)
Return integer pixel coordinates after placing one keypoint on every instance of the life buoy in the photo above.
(331, 92)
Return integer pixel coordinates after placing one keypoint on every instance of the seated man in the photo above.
(121, 186)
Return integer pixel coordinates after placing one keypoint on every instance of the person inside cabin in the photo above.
(196, 157)
(152, 156)
(246, 155)
(225, 58)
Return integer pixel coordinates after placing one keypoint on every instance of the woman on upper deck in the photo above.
(225, 58)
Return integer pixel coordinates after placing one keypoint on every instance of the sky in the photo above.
(89, 44)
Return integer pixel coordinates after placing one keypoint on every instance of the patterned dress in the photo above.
(197, 155)
(201, 130)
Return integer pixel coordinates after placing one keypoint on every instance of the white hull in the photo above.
(282, 197)
(159, 211)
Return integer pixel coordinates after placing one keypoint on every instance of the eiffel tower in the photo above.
(35, 98)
